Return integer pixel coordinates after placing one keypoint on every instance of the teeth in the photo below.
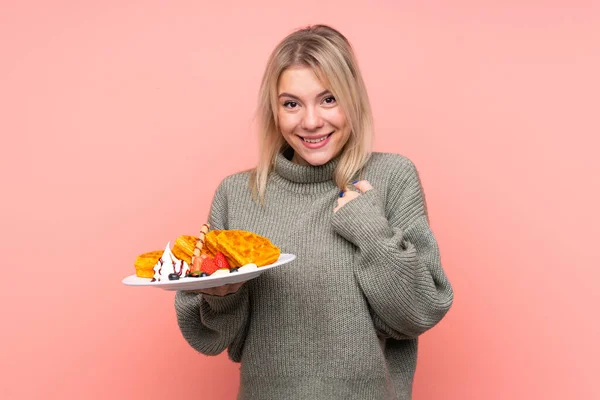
(316, 140)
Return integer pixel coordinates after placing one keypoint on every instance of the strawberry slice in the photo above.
(208, 265)
(195, 267)
(221, 261)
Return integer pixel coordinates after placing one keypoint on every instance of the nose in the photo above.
(312, 119)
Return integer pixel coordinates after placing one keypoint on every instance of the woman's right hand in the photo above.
(219, 290)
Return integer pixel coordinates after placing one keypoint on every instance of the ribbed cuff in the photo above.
(187, 304)
(362, 221)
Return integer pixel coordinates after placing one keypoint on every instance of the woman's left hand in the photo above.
(347, 196)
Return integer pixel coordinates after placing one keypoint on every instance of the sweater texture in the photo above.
(341, 321)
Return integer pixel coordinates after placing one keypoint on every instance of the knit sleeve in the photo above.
(211, 324)
(398, 265)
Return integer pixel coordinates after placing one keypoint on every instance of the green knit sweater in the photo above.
(341, 321)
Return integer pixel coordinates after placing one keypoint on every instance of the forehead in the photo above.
(300, 80)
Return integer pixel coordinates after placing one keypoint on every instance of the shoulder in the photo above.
(234, 182)
(395, 166)
(236, 178)
(400, 185)
(395, 174)
(389, 160)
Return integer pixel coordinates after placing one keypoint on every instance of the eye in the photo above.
(290, 104)
(329, 100)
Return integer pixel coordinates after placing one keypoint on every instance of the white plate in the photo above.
(207, 281)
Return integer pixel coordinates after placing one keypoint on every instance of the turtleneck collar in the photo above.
(303, 178)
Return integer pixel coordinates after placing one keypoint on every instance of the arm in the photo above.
(398, 264)
(211, 324)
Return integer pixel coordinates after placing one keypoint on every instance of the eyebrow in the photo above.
(323, 93)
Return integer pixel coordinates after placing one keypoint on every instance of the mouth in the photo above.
(316, 139)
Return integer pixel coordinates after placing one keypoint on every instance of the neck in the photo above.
(303, 177)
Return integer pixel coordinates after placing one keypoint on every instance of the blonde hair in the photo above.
(329, 54)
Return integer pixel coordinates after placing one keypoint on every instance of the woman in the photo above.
(342, 320)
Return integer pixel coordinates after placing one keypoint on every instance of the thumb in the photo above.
(363, 186)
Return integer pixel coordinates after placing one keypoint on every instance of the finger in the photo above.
(234, 287)
(340, 202)
(224, 290)
(219, 290)
(363, 186)
(227, 289)
(214, 291)
(349, 195)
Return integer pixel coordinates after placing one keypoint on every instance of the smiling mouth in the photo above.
(316, 140)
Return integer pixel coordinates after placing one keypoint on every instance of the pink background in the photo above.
(119, 118)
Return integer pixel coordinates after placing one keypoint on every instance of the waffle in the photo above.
(144, 263)
(241, 247)
(183, 248)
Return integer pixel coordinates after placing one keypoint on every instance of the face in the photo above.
(310, 119)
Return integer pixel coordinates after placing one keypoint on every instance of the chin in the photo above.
(317, 159)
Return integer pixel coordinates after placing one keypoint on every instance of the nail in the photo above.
(355, 182)
(342, 193)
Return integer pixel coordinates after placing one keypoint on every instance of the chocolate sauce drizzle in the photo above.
(159, 269)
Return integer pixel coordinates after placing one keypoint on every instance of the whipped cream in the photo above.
(248, 267)
(169, 264)
(221, 271)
